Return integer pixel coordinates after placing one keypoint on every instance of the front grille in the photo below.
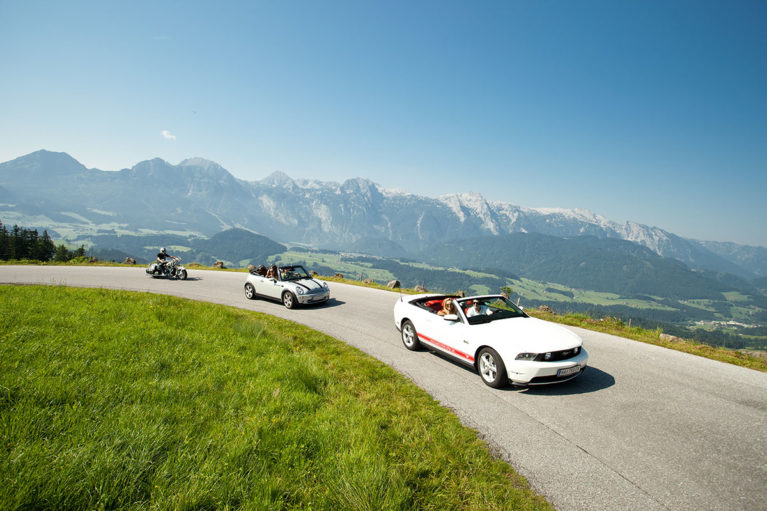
(540, 380)
(556, 356)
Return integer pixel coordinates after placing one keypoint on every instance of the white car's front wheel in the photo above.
(410, 336)
(250, 291)
(288, 300)
(491, 368)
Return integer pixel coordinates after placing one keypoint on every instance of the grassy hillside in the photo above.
(127, 400)
(584, 262)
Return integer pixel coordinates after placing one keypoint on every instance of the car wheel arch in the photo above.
(476, 354)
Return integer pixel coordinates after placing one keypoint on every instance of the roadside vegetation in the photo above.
(112, 399)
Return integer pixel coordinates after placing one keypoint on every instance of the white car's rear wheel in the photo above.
(410, 336)
(491, 368)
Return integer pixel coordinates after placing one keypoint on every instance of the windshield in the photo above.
(489, 308)
(293, 273)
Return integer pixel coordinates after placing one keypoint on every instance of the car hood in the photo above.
(307, 284)
(527, 335)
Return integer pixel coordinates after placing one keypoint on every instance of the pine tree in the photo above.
(61, 254)
(16, 246)
(44, 249)
(4, 240)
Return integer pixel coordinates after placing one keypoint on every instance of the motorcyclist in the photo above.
(162, 259)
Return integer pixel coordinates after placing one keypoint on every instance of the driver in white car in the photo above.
(476, 309)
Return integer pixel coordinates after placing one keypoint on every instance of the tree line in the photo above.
(20, 243)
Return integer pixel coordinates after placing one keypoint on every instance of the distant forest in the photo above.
(19, 243)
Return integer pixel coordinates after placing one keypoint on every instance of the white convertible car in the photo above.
(292, 285)
(493, 335)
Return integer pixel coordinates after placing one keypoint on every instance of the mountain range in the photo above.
(200, 198)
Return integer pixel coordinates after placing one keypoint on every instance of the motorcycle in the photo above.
(171, 269)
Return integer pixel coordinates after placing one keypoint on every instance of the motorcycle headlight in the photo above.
(299, 290)
(526, 356)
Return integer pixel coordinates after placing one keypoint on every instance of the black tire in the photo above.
(491, 369)
(410, 336)
(250, 291)
(288, 300)
(182, 274)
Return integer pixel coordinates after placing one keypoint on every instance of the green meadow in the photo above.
(121, 400)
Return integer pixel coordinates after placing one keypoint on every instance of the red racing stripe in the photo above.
(445, 347)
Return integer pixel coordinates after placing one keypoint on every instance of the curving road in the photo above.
(644, 428)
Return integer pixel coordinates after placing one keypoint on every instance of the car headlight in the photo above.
(299, 290)
(325, 285)
(547, 356)
(526, 356)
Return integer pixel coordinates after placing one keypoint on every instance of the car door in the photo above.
(447, 335)
(270, 288)
(275, 288)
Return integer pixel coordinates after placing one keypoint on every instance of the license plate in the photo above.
(569, 371)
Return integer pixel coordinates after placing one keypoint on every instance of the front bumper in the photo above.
(528, 372)
(305, 299)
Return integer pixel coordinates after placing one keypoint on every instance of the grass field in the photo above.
(135, 401)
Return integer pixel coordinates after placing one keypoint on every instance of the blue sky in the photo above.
(654, 112)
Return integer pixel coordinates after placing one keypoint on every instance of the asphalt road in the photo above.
(643, 428)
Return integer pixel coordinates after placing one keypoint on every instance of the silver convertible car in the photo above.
(292, 285)
(493, 335)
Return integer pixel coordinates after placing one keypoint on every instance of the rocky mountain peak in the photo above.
(151, 167)
(45, 163)
(201, 163)
(278, 179)
(360, 185)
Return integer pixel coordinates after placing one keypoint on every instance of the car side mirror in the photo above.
(450, 317)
